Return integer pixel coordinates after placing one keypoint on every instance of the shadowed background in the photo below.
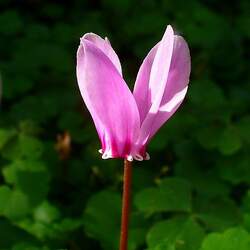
(57, 193)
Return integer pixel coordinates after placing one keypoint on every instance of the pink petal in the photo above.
(105, 46)
(161, 84)
(154, 84)
(177, 84)
(109, 100)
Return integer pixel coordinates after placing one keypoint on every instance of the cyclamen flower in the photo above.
(127, 121)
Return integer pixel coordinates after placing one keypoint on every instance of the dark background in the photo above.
(57, 193)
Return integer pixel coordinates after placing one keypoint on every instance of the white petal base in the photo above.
(137, 157)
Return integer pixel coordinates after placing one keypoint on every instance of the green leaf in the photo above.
(6, 136)
(68, 224)
(10, 171)
(39, 230)
(217, 213)
(5, 193)
(102, 221)
(39, 181)
(235, 168)
(208, 94)
(56, 229)
(11, 234)
(137, 230)
(102, 218)
(17, 206)
(25, 147)
(165, 245)
(230, 141)
(136, 237)
(9, 174)
(25, 174)
(246, 221)
(27, 246)
(183, 232)
(172, 194)
(46, 213)
(203, 181)
(13, 203)
(208, 136)
(232, 239)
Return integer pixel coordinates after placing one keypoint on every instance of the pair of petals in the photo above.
(125, 122)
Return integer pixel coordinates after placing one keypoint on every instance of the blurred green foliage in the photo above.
(56, 192)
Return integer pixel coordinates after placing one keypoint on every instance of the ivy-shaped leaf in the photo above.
(182, 232)
(172, 194)
(231, 239)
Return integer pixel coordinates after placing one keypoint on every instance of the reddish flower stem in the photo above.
(127, 178)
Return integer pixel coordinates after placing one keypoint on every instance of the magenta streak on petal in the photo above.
(126, 149)
(114, 149)
(142, 151)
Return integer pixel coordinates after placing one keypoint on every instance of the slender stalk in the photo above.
(127, 178)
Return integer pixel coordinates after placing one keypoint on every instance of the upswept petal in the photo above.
(177, 83)
(158, 68)
(105, 46)
(109, 100)
(174, 65)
